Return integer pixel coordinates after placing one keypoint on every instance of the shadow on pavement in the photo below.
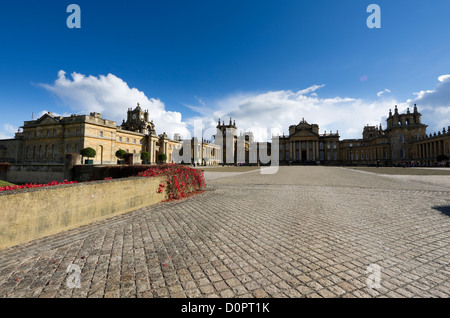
(443, 209)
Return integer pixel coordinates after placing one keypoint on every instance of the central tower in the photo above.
(138, 121)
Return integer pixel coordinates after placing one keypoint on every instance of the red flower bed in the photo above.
(180, 180)
(35, 185)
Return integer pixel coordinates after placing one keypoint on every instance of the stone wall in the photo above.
(34, 213)
(10, 150)
(36, 173)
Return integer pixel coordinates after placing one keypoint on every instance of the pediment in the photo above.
(47, 120)
(304, 133)
(303, 125)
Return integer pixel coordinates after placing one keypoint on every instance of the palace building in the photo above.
(49, 138)
(403, 141)
(305, 145)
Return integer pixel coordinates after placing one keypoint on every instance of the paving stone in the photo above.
(305, 231)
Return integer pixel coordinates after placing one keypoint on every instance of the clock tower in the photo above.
(138, 121)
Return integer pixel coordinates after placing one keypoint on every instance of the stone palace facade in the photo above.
(49, 138)
(404, 140)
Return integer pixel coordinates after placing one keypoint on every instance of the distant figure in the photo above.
(378, 163)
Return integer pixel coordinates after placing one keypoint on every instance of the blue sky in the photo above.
(265, 63)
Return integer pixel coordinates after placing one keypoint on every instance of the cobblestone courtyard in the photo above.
(303, 232)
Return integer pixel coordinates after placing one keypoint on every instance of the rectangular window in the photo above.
(100, 133)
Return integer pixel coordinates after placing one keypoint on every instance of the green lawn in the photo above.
(4, 183)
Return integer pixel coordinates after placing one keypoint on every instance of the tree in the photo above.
(145, 156)
(120, 153)
(441, 158)
(162, 157)
(88, 152)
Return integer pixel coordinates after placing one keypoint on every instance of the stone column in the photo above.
(317, 151)
(313, 150)
(307, 150)
(150, 149)
(291, 151)
(436, 149)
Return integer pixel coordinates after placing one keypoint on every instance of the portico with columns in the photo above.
(305, 145)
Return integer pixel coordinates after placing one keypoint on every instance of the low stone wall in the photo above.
(34, 213)
(35, 173)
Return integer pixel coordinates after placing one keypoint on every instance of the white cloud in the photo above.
(435, 104)
(443, 78)
(280, 109)
(256, 112)
(277, 110)
(7, 131)
(111, 96)
(383, 92)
